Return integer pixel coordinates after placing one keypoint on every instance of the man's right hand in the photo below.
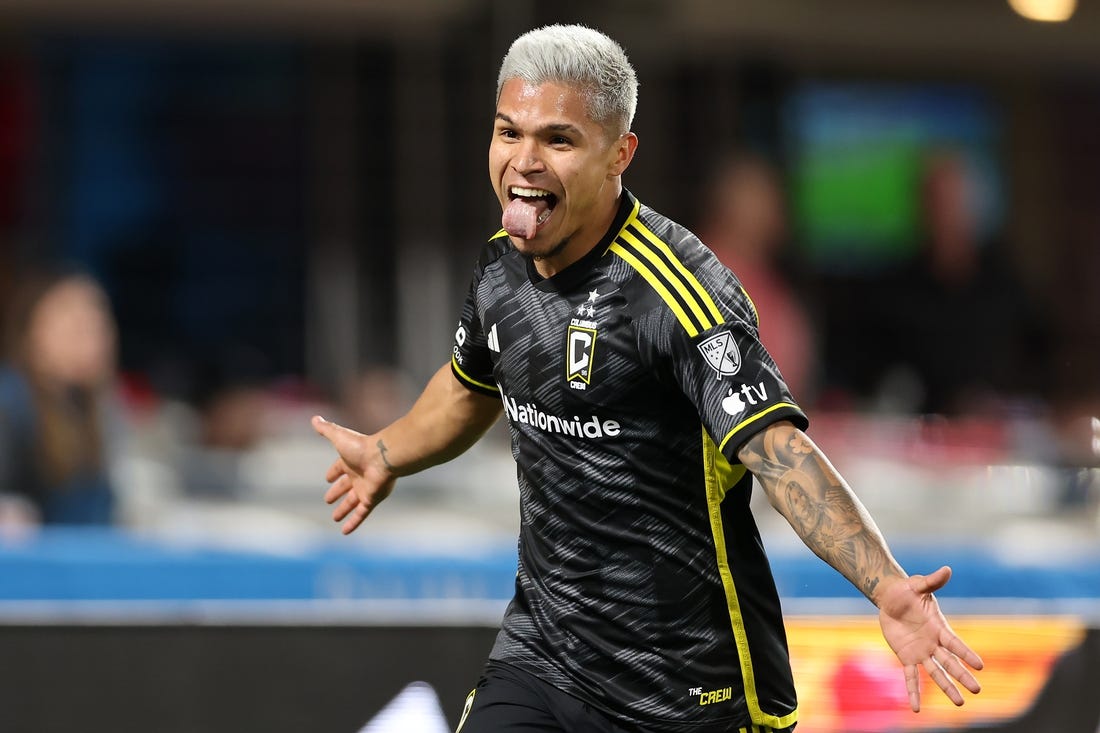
(359, 478)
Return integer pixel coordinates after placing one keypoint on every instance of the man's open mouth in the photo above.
(541, 199)
(527, 210)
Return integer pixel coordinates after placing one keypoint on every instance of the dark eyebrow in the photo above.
(562, 127)
(553, 127)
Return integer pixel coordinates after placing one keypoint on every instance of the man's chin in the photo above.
(538, 248)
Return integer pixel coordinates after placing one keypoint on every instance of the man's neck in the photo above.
(582, 243)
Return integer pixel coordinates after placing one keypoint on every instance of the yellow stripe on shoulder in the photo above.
(661, 269)
(658, 285)
(755, 313)
(630, 219)
(700, 292)
(633, 214)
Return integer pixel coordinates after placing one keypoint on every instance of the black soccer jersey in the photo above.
(629, 381)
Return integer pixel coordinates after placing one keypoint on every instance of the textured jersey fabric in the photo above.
(629, 382)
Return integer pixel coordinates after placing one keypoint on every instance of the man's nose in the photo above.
(528, 158)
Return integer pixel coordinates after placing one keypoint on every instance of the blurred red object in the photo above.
(869, 691)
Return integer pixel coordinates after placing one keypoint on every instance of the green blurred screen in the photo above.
(856, 157)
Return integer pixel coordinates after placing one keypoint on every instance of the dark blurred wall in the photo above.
(181, 679)
(306, 200)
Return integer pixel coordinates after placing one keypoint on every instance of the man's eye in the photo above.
(559, 140)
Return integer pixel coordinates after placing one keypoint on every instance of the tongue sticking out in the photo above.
(521, 217)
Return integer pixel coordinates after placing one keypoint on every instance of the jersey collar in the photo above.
(572, 276)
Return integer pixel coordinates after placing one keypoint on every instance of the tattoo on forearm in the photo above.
(382, 452)
(821, 508)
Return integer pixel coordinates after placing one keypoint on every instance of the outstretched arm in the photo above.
(443, 423)
(805, 488)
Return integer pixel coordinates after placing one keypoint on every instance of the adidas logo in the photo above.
(494, 342)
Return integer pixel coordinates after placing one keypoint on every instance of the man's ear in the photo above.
(624, 149)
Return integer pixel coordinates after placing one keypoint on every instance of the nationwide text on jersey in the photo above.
(528, 414)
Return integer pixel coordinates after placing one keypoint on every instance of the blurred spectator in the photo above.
(232, 390)
(228, 397)
(55, 390)
(377, 397)
(745, 225)
(958, 332)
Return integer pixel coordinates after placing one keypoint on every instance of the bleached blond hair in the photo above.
(582, 57)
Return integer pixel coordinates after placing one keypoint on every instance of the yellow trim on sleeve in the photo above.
(720, 477)
(750, 421)
(471, 380)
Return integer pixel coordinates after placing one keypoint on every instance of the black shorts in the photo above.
(509, 700)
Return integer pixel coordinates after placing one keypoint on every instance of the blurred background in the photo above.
(219, 218)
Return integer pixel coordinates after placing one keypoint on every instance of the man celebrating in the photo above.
(641, 403)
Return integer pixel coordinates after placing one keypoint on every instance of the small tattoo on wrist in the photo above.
(382, 452)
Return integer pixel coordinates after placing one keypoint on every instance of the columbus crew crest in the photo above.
(721, 353)
(580, 344)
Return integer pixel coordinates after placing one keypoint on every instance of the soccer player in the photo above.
(641, 403)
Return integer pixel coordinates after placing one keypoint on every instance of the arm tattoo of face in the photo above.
(821, 508)
(382, 452)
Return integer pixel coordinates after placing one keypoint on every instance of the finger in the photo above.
(958, 647)
(912, 685)
(336, 470)
(932, 582)
(361, 512)
(935, 671)
(954, 667)
(339, 487)
(320, 424)
(345, 507)
(344, 440)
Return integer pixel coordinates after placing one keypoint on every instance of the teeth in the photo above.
(529, 192)
(543, 216)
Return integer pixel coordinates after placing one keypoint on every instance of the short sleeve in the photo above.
(726, 372)
(470, 358)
